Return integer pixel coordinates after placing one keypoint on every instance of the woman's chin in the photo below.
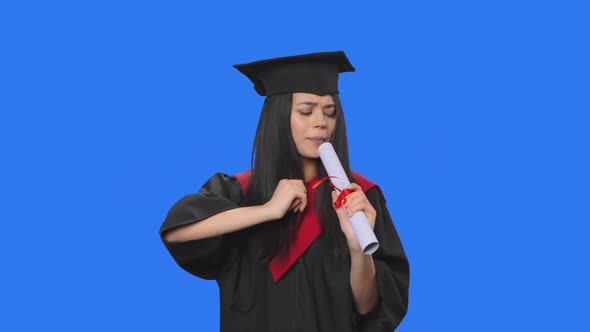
(315, 155)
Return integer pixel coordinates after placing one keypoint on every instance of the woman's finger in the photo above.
(356, 207)
(352, 207)
(295, 204)
(354, 187)
(302, 197)
(353, 196)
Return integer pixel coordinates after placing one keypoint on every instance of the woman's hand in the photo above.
(289, 195)
(355, 202)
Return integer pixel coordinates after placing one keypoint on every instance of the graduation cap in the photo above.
(315, 73)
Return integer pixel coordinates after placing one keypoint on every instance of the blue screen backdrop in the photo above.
(472, 116)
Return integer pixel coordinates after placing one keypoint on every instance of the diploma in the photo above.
(360, 224)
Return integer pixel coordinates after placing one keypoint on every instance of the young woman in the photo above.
(284, 257)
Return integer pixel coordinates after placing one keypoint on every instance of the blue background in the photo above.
(471, 115)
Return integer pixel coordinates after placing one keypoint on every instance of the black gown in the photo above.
(313, 296)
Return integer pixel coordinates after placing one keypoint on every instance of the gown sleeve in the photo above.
(204, 257)
(392, 272)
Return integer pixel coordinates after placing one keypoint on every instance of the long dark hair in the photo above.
(275, 157)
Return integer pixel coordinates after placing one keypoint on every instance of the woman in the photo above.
(284, 257)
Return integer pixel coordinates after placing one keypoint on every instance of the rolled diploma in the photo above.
(360, 224)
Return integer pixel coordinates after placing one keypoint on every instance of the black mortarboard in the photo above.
(315, 73)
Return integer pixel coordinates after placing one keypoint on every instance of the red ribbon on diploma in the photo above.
(341, 200)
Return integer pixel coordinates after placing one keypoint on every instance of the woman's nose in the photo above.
(319, 120)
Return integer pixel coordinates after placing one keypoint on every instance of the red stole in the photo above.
(309, 228)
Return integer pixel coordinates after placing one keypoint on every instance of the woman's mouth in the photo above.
(318, 140)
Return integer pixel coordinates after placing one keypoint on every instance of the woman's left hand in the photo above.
(355, 202)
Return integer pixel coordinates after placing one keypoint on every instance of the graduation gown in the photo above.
(314, 295)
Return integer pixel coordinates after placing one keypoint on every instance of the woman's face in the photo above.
(313, 119)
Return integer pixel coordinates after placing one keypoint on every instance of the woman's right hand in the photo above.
(290, 194)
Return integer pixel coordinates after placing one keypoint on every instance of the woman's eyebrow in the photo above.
(312, 103)
(307, 103)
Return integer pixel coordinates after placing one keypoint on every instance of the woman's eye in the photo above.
(331, 115)
(304, 113)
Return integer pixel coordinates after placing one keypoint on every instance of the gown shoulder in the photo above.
(203, 257)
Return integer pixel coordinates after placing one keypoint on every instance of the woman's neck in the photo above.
(310, 169)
